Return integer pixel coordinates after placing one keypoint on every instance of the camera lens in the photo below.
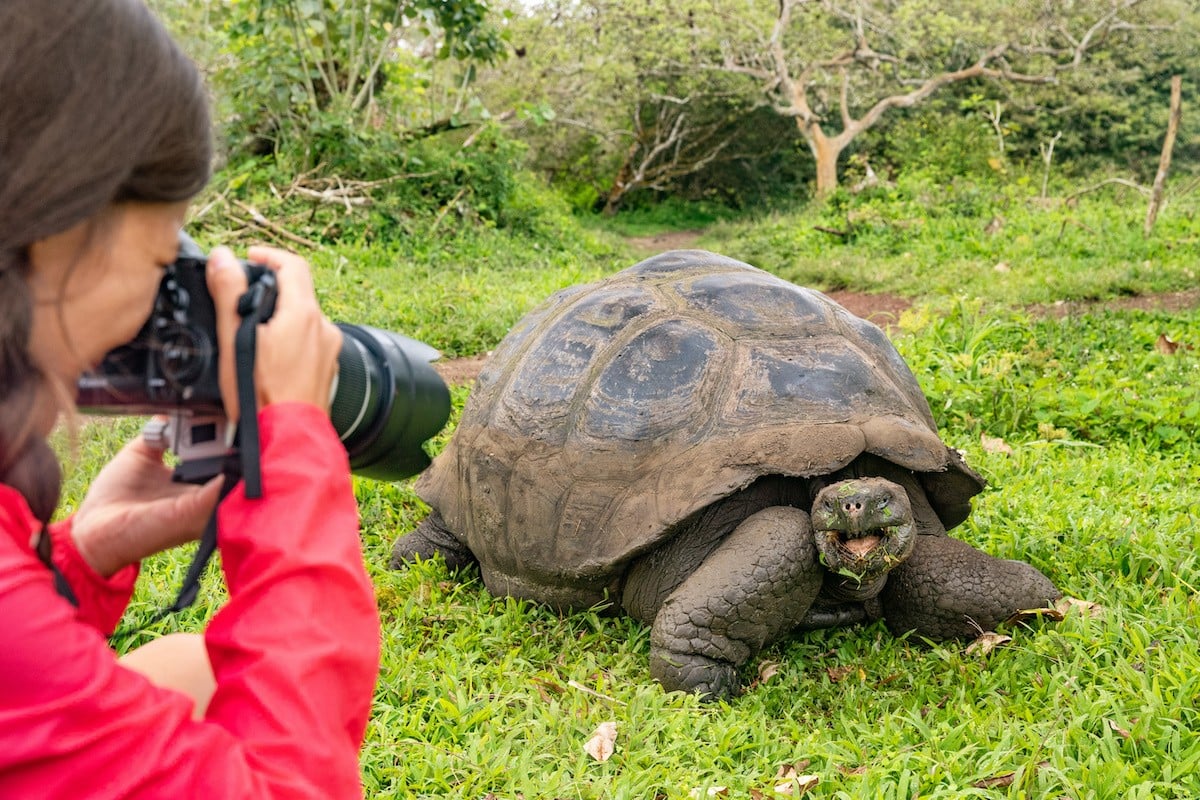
(388, 400)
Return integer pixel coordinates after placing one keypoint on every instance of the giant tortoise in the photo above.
(724, 456)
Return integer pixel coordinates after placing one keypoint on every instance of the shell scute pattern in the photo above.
(654, 386)
(739, 303)
(616, 410)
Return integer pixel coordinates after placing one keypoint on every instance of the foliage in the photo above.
(611, 98)
(291, 71)
(596, 86)
(1100, 378)
(1112, 111)
(939, 140)
(991, 238)
(665, 216)
(839, 71)
(381, 188)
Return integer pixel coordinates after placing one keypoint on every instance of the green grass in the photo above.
(671, 215)
(480, 695)
(922, 239)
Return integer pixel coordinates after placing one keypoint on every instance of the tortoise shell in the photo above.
(615, 410)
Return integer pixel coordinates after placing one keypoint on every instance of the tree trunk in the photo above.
(1164, 162)
(620, 184)
(826, 152)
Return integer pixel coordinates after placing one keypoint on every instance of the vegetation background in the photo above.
(448, 164)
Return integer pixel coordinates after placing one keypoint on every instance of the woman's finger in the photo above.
(296, 289)
(226, 283)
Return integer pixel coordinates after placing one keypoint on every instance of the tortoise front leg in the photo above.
(755, 586)
(431, 537)
(950, 590)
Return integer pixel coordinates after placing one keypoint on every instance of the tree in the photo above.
(295, 65)
(613, 102)
(837, 67)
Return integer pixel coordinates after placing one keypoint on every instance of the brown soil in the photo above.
(1169, 301)
(460, 371)
(673, 240)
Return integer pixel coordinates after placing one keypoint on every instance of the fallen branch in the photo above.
(1063, 228)
(335, 191)
(336, 197)
(453, 200)
(262, 222)
(580, 687)
(1101, 184)
(209, 206)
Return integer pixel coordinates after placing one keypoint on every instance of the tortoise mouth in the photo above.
(866, 554)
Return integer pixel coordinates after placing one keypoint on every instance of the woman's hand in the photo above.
(296, 359)
(133, 509)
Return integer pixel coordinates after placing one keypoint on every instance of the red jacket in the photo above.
(295, 650)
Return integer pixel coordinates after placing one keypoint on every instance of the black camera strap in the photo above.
(248, 467)
(208, 545)
(42, 547)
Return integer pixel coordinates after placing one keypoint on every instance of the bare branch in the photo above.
(844, 100)
(1118, 181)
(1096, 33)
(979, 69)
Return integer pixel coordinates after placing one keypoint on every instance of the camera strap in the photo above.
(208, 545)
(42, 547)
(245, 343)
(248, 466)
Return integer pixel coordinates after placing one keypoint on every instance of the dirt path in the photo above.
(672, 240)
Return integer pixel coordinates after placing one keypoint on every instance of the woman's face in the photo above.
(94, 285)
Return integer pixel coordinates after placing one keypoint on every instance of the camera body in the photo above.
(386, 401)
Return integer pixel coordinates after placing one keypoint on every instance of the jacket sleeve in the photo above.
(102, 601)
(295, 653)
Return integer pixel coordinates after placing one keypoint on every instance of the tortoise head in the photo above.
(863, 527)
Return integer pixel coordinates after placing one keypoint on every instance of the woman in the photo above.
(103, 139)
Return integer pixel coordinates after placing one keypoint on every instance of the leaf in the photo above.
(986, 642)
(786, 770)
(767, 670)
(995, 781)
(1085, 607)
(1167, 347)
(1006, 779)
(547, 688)
(837, 674)
(794, 783)
(713, 791)
(1124, 734)
(995, 444)
(1027, 614)
(603, 742)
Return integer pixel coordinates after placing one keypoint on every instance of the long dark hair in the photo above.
(99, 106)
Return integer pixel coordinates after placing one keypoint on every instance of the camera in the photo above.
(387, 399)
